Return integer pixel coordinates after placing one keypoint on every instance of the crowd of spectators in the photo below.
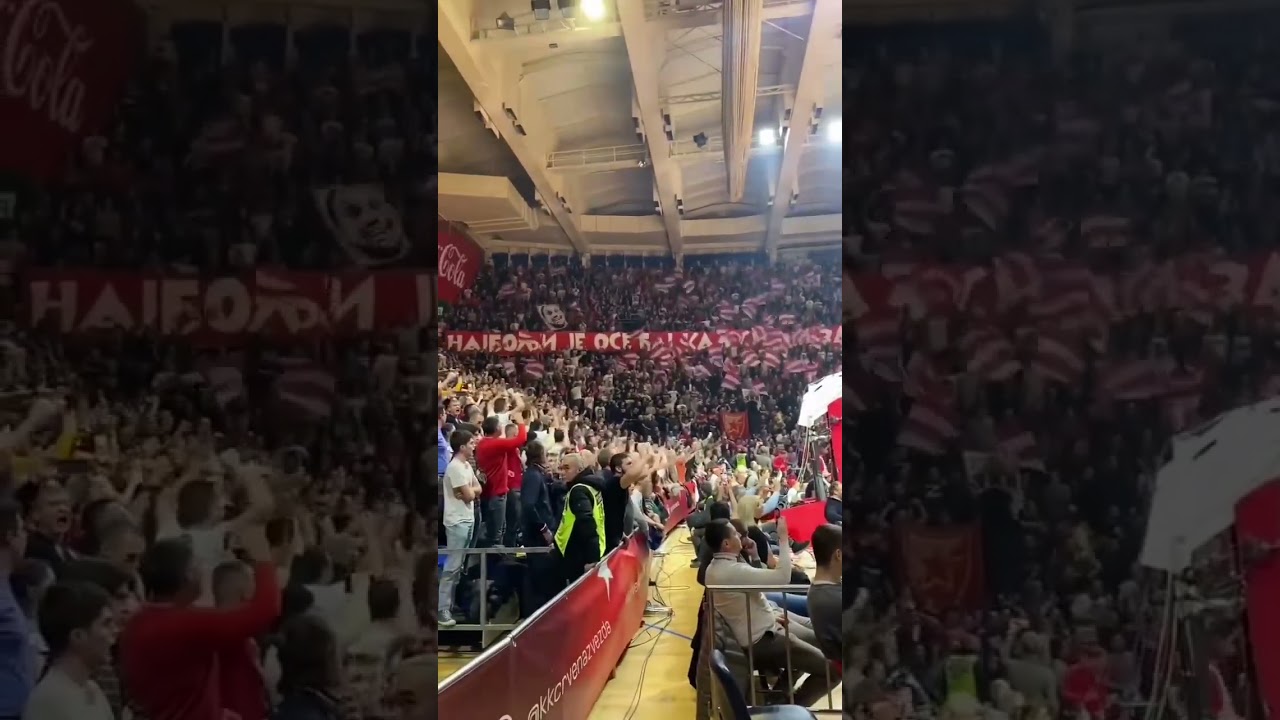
(182, 535)
(632, 294)
(216, 152)
(975, 147)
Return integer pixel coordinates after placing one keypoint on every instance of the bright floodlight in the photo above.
(835, 132)
(768, 138)
(593, 9)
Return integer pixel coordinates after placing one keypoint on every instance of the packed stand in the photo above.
(225, 161)
(647, 294)
(245, 531)
(1034, 278)
(505, 479)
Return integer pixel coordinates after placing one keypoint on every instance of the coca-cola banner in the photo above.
(273, 302)
(63, 64)
(555, 665)
(533, 343)
(460, 261)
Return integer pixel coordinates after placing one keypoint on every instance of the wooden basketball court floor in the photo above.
(652, 682)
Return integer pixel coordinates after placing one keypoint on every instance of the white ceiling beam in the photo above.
(773, 10)
(821, 55)
(489, 90)
(646, 45)
(537, 36)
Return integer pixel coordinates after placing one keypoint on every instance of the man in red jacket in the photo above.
(498, 458)
(174, 655)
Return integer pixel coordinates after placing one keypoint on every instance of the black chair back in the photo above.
(725, 693)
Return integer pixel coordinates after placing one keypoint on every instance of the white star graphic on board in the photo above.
(606, 575)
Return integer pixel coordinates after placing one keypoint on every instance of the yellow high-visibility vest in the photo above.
(566, 524)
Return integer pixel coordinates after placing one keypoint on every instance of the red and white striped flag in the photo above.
(796, 367)
(989, 355)
(1130, 380)
(986, 194)
(1017, 279)
(928, 427)
(879, 334)
(916, 207)
(306, 388)
(1071, 299)
(920, 379)
(699, 372)
(535, 369)
(1018, 448)
(732, 380)
(1058, 358)
(1049, 234)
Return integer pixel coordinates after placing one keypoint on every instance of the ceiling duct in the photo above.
(739, 74)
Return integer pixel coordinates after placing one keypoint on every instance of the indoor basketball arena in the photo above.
(640, 355)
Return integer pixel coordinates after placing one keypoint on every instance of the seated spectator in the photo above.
(772, 645)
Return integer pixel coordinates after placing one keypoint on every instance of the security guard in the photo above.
(580, 539)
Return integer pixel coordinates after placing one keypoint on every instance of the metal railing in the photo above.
(547, 607)
(483, 625)
(751, 691)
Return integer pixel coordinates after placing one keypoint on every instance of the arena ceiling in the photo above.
(602, 129)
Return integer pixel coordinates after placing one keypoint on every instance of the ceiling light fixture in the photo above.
(593, 10)
(767, 137)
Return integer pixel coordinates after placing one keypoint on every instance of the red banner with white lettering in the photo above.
(942, 566)
(535, 343)
(735, 426)
(555, 665)
(460, 261)
(63, 65)
(282, 303)
(1051, 291)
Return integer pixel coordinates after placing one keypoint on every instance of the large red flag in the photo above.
(735, 425)
(942, 566)
(1258, 524)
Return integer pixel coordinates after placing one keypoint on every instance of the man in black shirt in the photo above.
(618, 481)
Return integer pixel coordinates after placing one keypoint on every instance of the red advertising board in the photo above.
(679, 506)
(460, 261)
(62, 67)
(942, 566)
(283, 303)
(555, 665)
(534, 343)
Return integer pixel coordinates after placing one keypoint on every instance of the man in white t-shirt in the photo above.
(461, 488)
(77, 622)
